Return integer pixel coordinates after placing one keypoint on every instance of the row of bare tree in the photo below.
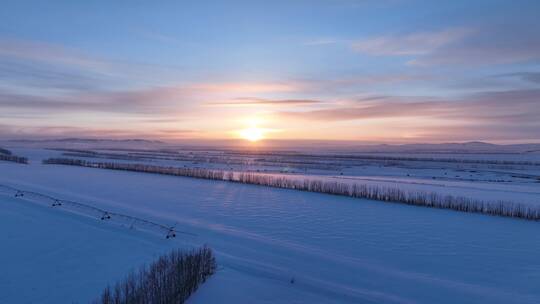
(189, 172)
(390, 194)
(426, 159)
(372, 192)
(171, 279)
(5, 151)
(6, 155)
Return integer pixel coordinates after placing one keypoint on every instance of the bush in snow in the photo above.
(169, 280)
(387, 194)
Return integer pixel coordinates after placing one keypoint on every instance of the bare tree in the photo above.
(171, 279)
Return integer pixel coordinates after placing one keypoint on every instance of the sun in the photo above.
(252, 134)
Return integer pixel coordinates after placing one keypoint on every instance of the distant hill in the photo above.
(467, 147)
(277, 145)
(86, 140)
(84, 143)
(356, 147)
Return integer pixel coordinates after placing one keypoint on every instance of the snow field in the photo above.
(337, 249)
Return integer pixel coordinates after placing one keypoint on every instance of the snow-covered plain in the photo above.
(49, 256)
(334, 249)
(513, 177)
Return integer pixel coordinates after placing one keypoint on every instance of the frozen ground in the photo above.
(337, 249)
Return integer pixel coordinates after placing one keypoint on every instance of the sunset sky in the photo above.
(392, 71)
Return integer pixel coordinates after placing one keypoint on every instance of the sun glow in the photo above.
(252, 134)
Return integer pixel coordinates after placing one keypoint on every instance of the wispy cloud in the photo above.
(247, 87)
(493, 115)
(322, 41)
(506, 107)
(55, 131)
(159, 37)
(458, 46)
(59, 131)
(151, 100)
(533, 77)
(142, 101)
(367, 111)
(254, 101)
(27, 75)
(411, 44)
(31, 64)
(488, 46)
(49, 53)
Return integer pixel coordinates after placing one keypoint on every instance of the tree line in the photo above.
(7, 155)
(372, 192)
(5, 151)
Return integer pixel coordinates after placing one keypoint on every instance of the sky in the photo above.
(386, 71)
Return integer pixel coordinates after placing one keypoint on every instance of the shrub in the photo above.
(171, 279)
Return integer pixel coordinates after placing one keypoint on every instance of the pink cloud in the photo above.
(254, 101)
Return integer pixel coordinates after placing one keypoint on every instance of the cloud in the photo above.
(61, 131)
(254, 101)
(160, 37)
(355, 83)
(369, 111)
(49, 53)
(156, 102)
(17, 132)
(155, 99)
(459, 46)
(533, 77)
(488, 46)
(247, 87)
(142, 101)
(411, 44)
(176, 133)
(371, 98)
(30, 64)
(322, 41)
(47, 77)
(492, 115)
(517, 106)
